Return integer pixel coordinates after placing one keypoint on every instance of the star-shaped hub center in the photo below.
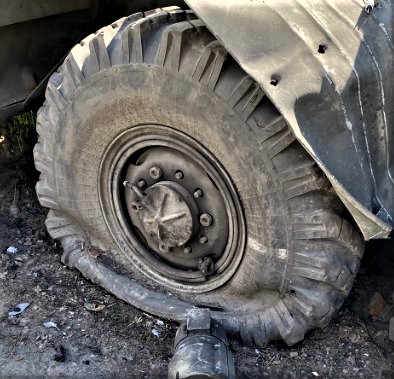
(168, 214)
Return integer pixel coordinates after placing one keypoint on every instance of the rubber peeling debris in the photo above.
(18, 309)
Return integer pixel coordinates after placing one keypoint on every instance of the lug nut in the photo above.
(203, 239)
(155, 172)
(187, 250)
(206, 266)
(206, 219)
(179, 175)
(197, 193)
(141, 183)
(164, 248)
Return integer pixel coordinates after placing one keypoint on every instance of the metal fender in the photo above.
(328, 67)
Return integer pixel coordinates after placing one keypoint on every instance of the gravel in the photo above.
(110, 339)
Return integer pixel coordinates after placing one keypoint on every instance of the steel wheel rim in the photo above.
(143, 139)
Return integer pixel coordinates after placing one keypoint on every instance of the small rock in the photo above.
(293, 354)
(376, 305)
(391, 329)
(155, 332)
(355, 338)
(14, 210)
(32, 209)
(12, 250)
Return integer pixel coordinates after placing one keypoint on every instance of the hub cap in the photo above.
(166, 215)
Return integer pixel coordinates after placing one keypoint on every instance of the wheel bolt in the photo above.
(206, 219)
(187, 250)
(155, 172)
(164, 248)
(203, 239)
(179, 175)
(197, 193)
(206, 266)
(141, 183)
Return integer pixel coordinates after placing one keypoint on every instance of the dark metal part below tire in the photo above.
(289, 257)
(201, 350)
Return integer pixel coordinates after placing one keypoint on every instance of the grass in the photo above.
(17, 135)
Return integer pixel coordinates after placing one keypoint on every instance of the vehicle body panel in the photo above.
(35, 37)
(13, 12)
(328, 68)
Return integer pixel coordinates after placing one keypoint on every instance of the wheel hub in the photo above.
(178, 216)
(177, 209)
(167, 214)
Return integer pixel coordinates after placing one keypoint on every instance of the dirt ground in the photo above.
(114, 340)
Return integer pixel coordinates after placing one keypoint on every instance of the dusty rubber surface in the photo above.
(117, 342)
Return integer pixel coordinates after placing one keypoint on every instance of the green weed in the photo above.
(17, 135)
